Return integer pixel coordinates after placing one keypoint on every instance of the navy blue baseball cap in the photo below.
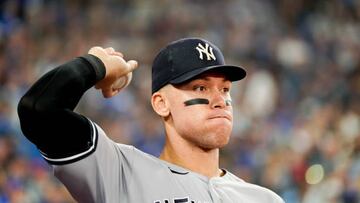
(182, 60)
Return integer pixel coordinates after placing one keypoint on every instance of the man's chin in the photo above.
(218, 144)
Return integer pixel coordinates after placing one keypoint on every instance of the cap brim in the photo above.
(233, 73)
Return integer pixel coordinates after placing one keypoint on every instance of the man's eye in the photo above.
(199, 88)
(226, 90)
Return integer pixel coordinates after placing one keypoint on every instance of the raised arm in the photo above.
(46, 110)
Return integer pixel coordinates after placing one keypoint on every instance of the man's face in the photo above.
(200, 110)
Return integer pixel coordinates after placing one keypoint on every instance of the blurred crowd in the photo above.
(297, 114)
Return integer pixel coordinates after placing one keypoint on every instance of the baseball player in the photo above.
(190, 92)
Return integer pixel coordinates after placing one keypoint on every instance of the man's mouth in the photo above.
(221, 116)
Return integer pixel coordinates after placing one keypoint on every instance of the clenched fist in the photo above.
(116, 67)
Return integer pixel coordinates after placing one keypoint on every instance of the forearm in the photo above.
(46, 110)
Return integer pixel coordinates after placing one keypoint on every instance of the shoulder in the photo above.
(253, 190)
(132, 153)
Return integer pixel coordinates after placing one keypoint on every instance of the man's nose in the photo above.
(218, 100)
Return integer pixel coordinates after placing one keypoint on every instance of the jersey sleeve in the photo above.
(46, 111)
(103, 176)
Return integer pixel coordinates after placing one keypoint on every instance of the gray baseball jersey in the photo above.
(121, 173)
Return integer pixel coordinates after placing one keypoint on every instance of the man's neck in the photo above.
(182, 153)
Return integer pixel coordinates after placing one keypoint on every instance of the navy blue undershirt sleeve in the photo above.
(46, 110)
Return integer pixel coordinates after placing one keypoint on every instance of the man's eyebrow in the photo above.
(202, 78)
(207, 78)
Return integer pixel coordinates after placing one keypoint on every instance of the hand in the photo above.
(115, 66)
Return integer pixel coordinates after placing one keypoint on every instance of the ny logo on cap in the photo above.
(208, 50)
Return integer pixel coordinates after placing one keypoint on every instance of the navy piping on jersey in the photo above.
(177, 172)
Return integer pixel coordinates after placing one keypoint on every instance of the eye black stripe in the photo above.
(196, 101)
(228, 102)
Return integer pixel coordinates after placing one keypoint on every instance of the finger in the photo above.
(107, 93)
(116, 53)
(94, 49)
(132, 65)
(97, 51)
(112, 93)
(104, 84)
(110, 50)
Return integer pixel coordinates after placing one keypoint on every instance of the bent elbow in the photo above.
(29, 117)
(25, 108)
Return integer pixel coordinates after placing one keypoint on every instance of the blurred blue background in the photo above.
(297, 114)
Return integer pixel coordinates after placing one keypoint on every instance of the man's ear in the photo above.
(160, 104)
